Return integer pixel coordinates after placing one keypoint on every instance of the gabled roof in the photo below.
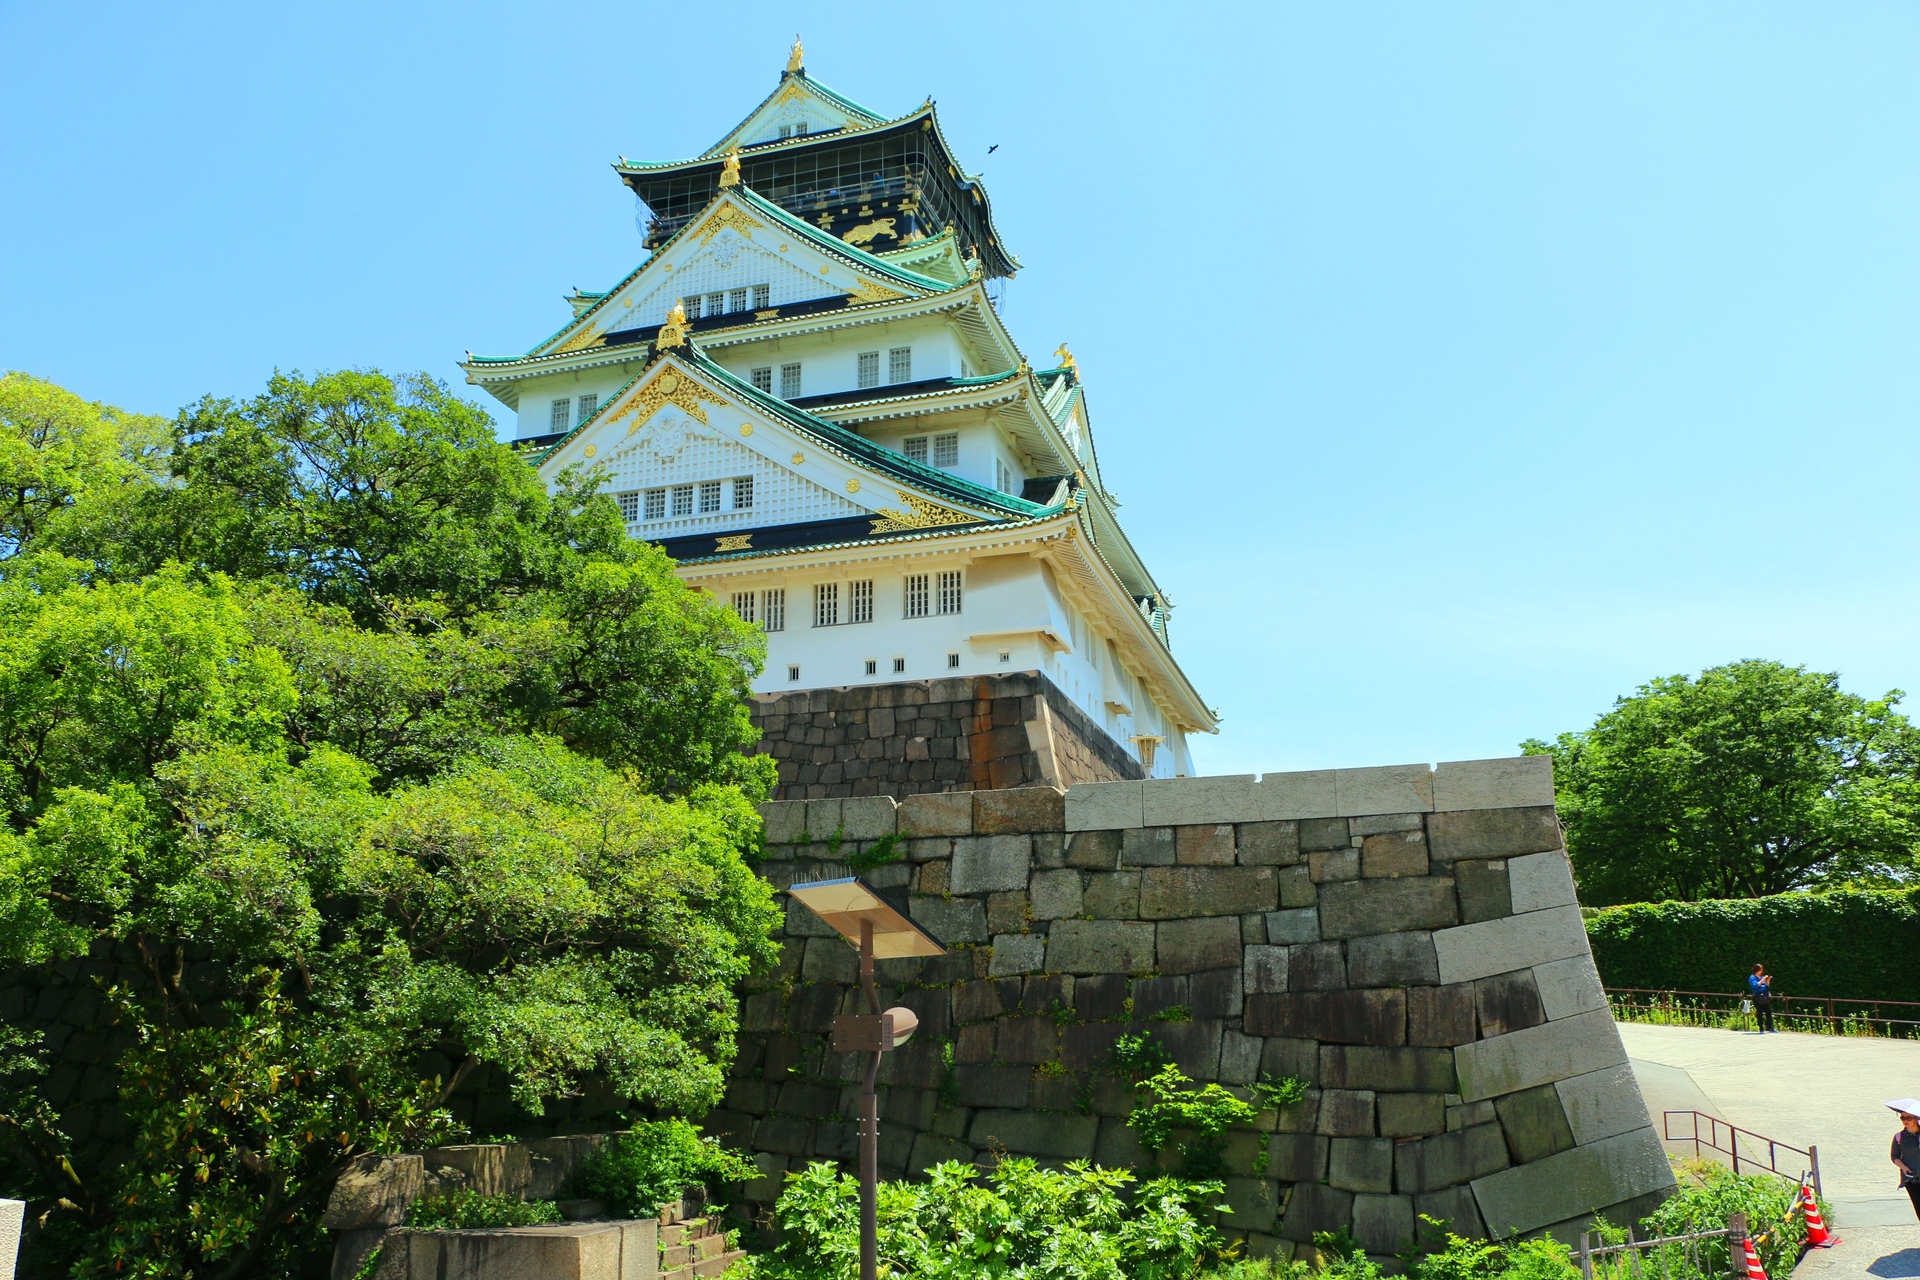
(794, 85)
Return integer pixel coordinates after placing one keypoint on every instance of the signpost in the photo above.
(861, 916)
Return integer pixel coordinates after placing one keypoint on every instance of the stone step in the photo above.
(717, 1265)
(696, 1249)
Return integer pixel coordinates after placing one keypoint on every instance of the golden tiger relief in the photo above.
(866, 231)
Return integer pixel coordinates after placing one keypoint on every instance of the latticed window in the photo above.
(790, 382)
(869, 369)
(629, 507)
(692, 305)
(950, 591)
(743, 602)
(946, 450)
(762, 296)
(826, 604)
(918, 598)
(1002, 477)
(900, 364)
(709, 496)
(762, 379)
(860, 602)
(736, 300)
(656, 504)
(773, 612)
(716, 304)
(588, 404)
(560, 415)
(915, 448)
(683, 499)
(743, 493)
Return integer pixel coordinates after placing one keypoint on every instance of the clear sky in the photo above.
(1460, 366)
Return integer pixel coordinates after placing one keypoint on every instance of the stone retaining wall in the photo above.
(1406, 940)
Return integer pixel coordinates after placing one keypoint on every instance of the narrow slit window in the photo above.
(899, 665)
(588, 404)
(762, 378)
(826, 604)
(950, 591)
(793, 671)
(709, 497)
(762, 296)
(560, 415)
(873, 666)
(790, 381)
(918, 597)
(743, 602)
(629, 507)
(743, 493)
(915, 448)
(656, 504)
(953, 662)
(736, 299)
(860, 602)
(946, 449)
(683, 499)
(773, 611)
(900, 364)
(869, 369)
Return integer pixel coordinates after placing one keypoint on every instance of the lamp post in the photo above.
(860, 915)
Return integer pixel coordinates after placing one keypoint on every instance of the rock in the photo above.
(1030, 1133)
(1386, 1069)
(1112, 895)
(1268, 844)
(1206, 845)
(1297, 1157)
(986, 864)
(1361, 1164)
(1382, 1223)
(1172, 893)
(1147, 847)
(1265, 969)
(1492, 833)
(1360, 908)
(1493, 784)
(950, 920)
(1316, 966)
(1056, 894)
(1550, 1052)
(1530, 1196)
(1392, 959)
(1315, 1207)
(1540, 880)
(1094, 850)
(375, 1191)
(1101, 946)
(1569, 986)
(1346, 1113)
(1396, 853)
(1411, 1115)
(1507, 1002)
(1535, 1125)
(1334, 864)
(1400, 788)
(1015, 953)
(1440, 1015)
(1300, 924)
(1481, 950)
(1448, 1159)
(936, 813)
(1297, 888)
(1104, 806)
(1484, 891)
(1022, 810)
(866, 817)
(783, 820)
(1602, 1103)
(1374, 1016)
(1190, 946)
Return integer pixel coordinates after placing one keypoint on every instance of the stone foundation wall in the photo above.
(975, 733)
(1406, 940)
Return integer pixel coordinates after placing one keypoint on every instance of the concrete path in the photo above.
(1804, 1090)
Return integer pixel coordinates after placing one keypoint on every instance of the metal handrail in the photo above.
(1774, 1147)
(1631, 1249)
(1783, 1004)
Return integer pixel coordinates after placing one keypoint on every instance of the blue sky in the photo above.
(1460, 367)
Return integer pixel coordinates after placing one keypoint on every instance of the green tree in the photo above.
(56, 447)
(1753, 778)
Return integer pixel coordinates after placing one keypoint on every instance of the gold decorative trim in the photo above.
(746, 428)
(796, 56)
(669, 386)
(590, 451)
(920, 514)
(792, 90)
(799, 459)
(733, 542)
(868, 291)
(673, 333)
(578, 342)
(728, 215)
(730, 170)
(853, 485)
(771, 313)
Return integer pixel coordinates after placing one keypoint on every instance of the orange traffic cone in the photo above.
(1754, 1270)
(1818, 1237)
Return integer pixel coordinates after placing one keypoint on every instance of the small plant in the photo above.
(833, 841)
(949, 1095)
(1172, 1013)
(1061, 1014)
(1278, 1095)
(1463, 1259)
(1178, 1103)
(878, 854)
(1139, 1054)
(638, 1171)
(463, 1210)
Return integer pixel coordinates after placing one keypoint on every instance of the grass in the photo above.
(1697, 1013)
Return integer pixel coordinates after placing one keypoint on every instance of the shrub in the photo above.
(652, 1163)
(1710, 1192)
(1463, 1259)
(1019, 1220)
(460, 1210)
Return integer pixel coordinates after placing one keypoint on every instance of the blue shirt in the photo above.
(1761, 986)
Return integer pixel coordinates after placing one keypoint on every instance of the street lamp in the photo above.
(861, 916)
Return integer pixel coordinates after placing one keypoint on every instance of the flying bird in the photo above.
(995, 147)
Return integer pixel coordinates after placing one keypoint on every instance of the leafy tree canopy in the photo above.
(362, 764)
(1753, 778)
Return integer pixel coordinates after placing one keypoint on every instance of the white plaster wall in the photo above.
(538, 394)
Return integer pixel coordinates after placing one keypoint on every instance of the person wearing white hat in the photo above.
(1906, 1148)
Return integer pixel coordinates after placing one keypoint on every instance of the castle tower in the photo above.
(805, 395)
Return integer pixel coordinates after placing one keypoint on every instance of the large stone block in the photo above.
(1206, 845)
(823, 819)
(1112, 895)
(1217, 993)
(1448, 1159)
(1347, 1113)
(625, 1250)
(951, 919)
(1327, 865)
(1268, 844)
(784, 820)
(1392, 959)
(936, 813)
(1305, 794)
(1172, 893)
(1056, 894)
(1033, 1133)
(1016, 953)
(1535, 1123)
(1361, 1164)
(1580, 1181)
(1481, 950)
(1319, 835)
(1570, 986)
(1493, 784)
(1020, 811)
(1253, 1203)
(1101, 946)
(1296, 924)
(1455, 1210)
(1316, 966)
(1361, 907)
(1400, 788)
(990, 864)
(1381, 1069)
(1239, 1058)
(1314, 1207)
(1195, 1045)
(1540, 880)
(1411, 1115)
(1492, 833)
(1266, 969)
(1190, 946)
(1602, 1103)
(1484, 891)
(1383, 1224)
(375, 1191)
(1148, 847)
(1105, 806)
(830, 960)
(1297, 888)
(1094, 850)
(1393, 854)
(1283, 1057)
(1507, 1002)
(867, 817)
(1440, 1015)
(1376, 1016)
(1176, 802)
(1545, 1054)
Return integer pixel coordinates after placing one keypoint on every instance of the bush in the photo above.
(652, 1163)
(1065, 1224)
(460, 1210)
(1854, 944)
(1710, 1192)
(1463, 1259)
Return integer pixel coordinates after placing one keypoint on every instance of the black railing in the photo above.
(1722, 1138)
(1830, 1013)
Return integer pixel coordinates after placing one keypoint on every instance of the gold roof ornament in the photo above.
(674, 332)
(974, 269)
(730, 170)
(1066, 358)
(796, 57)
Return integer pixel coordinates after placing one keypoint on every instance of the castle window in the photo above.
(919, 599)
(656, 504)
(762, 296)
(709, 497)
(793, 671)
(899, 665)
(683, 499)
(873, 666)
(916, 449)
(773, 612)
(560, 415)
(716, 304)
(743, 602)
(950, 591)
(691, 304)
(869, 369)
(629, 506)
(946, 450)
(826, 604)
(900, 364)
(736, 299)
(953, 662)
(1002, 476)
(860, 602)
(762, 379)
(790, 381)
(743, 493)
(587, 405)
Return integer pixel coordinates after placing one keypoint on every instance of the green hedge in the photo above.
(1861, 945)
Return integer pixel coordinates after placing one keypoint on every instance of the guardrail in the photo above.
(1716, 1127)
(1899, 1017)
(1644, 1259)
